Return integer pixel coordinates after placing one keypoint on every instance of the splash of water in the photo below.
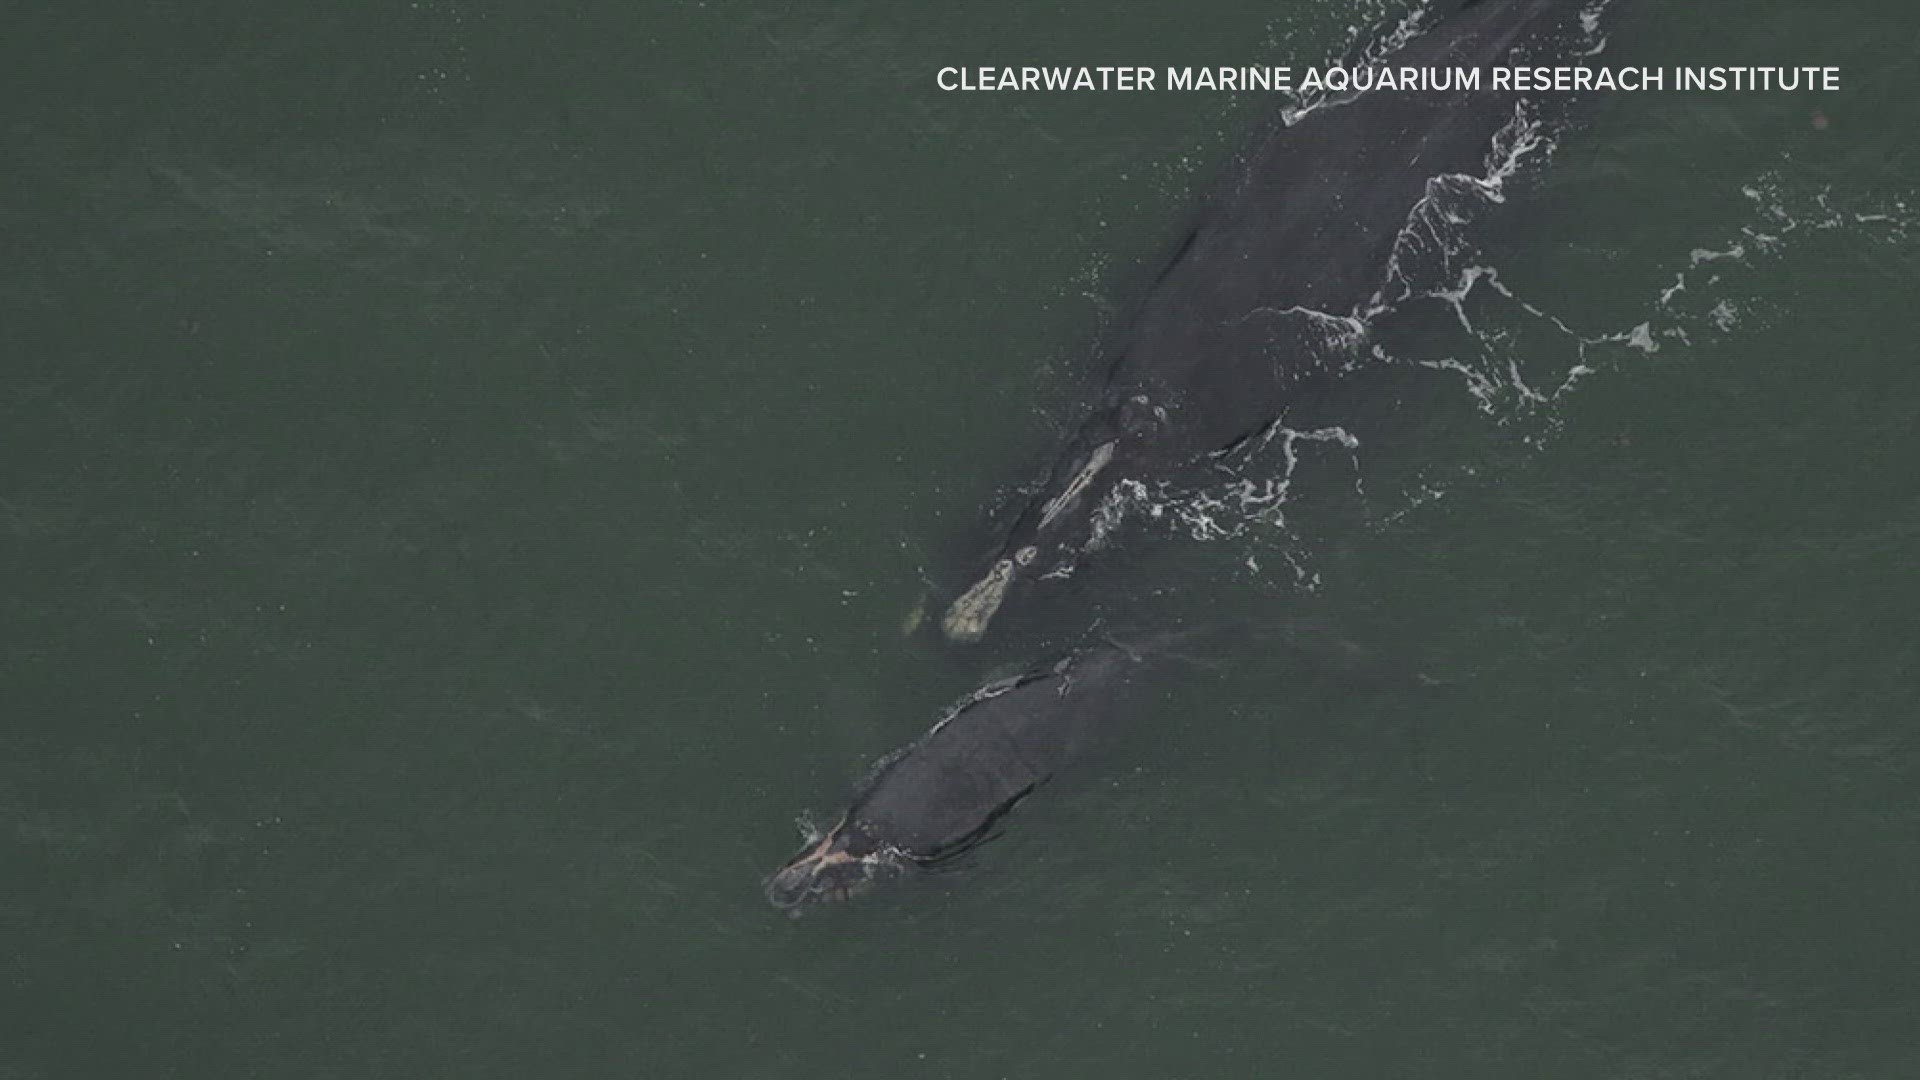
(1516, 378)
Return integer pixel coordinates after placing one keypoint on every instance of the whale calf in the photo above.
(942, 795)
(1296, 249)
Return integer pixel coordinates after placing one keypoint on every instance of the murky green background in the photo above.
(465, 468)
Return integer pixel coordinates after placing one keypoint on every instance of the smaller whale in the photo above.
(944, 794)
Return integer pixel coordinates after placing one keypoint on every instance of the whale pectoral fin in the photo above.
(988, 831)
(915, 616)
(964, 857)
(1235, 451)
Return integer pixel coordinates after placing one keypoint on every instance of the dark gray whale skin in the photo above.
(1307, 224)
(943, 794)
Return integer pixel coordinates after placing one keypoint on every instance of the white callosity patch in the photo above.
(968, 616)
(1096, 461)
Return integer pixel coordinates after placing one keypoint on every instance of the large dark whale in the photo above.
(1299, 246)
(942, 795)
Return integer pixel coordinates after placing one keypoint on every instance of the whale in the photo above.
(1274, 282)
(944, 794)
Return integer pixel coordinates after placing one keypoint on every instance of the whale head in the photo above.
(967, 617)
(837, 866)
(1044, 543)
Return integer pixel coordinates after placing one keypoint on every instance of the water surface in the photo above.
(468, 469)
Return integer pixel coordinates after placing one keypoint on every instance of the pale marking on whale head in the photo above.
(826, 871)
(1096, 461)
(966, 618)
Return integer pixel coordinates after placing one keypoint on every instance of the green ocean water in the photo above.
(467, 467)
